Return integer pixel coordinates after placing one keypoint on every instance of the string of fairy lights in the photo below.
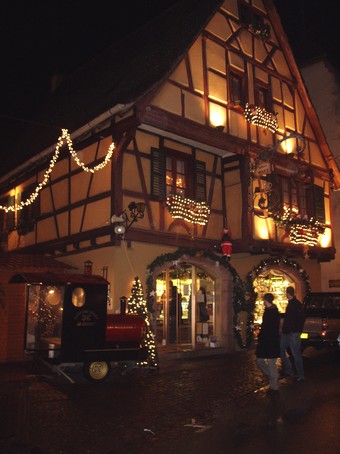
(65, 136)
(258, 116)
(187, 209)
(137, 305)
(301, 231)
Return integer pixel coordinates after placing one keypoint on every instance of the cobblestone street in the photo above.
(196, 405)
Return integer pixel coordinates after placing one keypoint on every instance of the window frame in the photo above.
(240, 77)
(268, 101)
(195, 174)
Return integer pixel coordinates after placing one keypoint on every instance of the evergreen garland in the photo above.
(278, 261)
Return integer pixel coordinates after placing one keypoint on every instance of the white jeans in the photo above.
(269, 368)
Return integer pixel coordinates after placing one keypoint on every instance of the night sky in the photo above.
(40, 38)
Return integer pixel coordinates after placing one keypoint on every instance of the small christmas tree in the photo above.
(137, 305)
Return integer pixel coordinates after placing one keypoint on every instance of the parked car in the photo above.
(322, 323)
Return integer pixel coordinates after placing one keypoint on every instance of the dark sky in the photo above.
(41, 37)
(312, 27)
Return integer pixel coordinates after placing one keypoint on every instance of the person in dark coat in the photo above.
(290, 338)
(268, 347)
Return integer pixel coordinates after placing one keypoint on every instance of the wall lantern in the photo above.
(124, 221)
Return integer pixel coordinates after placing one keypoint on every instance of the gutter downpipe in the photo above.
(91, 124)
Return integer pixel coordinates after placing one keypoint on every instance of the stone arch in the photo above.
(291, 268)
(223, 288)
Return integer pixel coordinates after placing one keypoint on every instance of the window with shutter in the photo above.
(175, 173)
(263, 97)
(293, 196)
(236, 89)
(200, 181)
(158, 174)
(319, 204)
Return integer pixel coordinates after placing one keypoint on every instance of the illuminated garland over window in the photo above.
(301, 231)
(188, 210)
(65, 135)
(301, 234)
(258, 116)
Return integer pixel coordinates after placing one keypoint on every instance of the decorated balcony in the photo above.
(259, 116)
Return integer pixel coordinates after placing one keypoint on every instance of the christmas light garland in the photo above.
(258, 116)
(278, 262)
(65, 135)
(188, 210)
(301, 230)
(137, 305)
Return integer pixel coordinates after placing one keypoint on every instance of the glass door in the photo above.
(179, 308)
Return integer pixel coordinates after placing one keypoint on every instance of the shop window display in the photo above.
(271, 282)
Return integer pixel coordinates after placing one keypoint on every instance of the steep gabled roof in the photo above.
(121, 74)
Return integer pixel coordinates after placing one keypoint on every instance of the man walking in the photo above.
(268, 346)
(290, 338)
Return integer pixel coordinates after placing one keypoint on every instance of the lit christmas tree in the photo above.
(137, 305)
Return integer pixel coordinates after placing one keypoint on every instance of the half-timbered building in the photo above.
(213, 133)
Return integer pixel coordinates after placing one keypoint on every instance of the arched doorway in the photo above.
(274, 275)
(185, 305)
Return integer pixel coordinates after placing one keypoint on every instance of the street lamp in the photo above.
(124, 221)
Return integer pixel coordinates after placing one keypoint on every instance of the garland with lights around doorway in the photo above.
(243, 294)
(278, 261)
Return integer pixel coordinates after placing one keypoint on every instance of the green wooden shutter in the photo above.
(158, 172)
(319, 204)
(200, 182)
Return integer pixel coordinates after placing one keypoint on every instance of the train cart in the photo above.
(67, 324)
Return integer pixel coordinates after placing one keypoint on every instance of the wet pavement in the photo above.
(211, 405)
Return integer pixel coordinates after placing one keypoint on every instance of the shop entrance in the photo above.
(275, 282)
(185, 311)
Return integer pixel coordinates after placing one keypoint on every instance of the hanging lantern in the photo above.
(226, 244)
